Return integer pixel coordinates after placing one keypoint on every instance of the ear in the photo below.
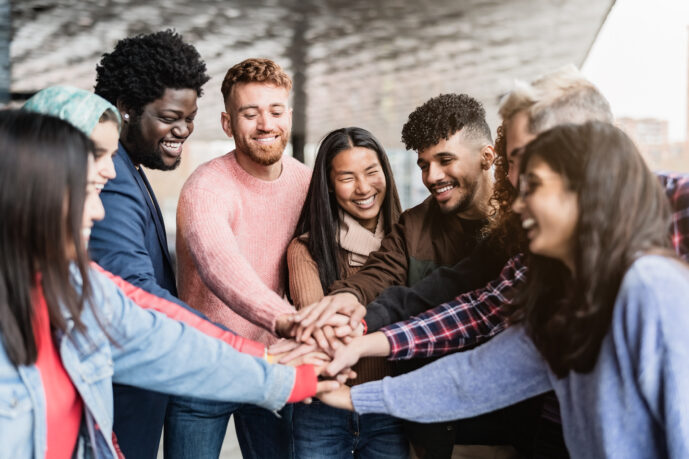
(226, 122)
(125, 112)
(487, 157)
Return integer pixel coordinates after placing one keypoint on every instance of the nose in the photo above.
(265, 123)
(513, 176)
(107, 168)
(518, 205)
(435, 173)
(362, 186)
(183, 129)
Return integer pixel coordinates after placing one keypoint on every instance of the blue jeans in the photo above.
(138, 422)
(195, 428)
(324, 432)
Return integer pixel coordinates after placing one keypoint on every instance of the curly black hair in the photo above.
(442, 116)
(140, 68)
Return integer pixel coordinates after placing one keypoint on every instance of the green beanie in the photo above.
(82, 109)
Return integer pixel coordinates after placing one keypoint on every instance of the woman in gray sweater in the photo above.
(602, 320)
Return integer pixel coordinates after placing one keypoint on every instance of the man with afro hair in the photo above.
(154, 81)
(455, 154)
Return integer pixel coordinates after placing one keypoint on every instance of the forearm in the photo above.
(504, 371)
(398, 303)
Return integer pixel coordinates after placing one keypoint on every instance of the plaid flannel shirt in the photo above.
(474, 317)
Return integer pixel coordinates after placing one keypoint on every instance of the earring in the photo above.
(126, 116)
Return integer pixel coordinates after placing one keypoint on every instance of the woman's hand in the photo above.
(318, 314)
(337, 398)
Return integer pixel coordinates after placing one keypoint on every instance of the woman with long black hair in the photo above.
(62, 321)
(601, 321)
(351, 204)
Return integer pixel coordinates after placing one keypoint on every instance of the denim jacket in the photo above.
(141, 348)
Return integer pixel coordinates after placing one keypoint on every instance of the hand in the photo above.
(319, 313)
(373, 345)
(340, 324)
(285, 326)
(286, 350)
(336, 397)
(316, 358)
(345, 357)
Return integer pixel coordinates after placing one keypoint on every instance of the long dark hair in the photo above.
(319, 216)
(43, 163)
(623, 213)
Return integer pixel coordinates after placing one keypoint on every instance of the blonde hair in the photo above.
(561, 96)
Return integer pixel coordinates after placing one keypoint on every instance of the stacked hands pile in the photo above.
(325, 334)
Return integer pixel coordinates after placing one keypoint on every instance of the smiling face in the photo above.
(358, 182)
(259, 120)
(453, 173)
(154, 138)
(105, 137)
(93, 207)
(549, 212)
(517, 136)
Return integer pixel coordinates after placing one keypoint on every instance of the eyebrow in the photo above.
(177, 112)
(373, 165)
(515, 152)
(255, 107)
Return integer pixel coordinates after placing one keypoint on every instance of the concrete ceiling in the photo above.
(364, 62)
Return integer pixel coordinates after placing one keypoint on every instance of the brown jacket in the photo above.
(423, 239)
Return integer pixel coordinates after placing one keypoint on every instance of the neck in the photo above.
(260, 171)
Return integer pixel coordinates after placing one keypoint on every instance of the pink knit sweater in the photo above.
(232, 235)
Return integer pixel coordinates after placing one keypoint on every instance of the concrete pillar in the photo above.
(5, 32)
(298, 52)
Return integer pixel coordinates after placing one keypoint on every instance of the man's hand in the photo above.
(285, 326)
(373, 345)
(319, 313)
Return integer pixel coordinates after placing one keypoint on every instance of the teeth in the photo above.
(528, 223)
(172, 144)
(444, 189)
(99, 186)
(266, 139)
(366, 201)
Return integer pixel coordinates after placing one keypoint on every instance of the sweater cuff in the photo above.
(368, 398)
(305, 382)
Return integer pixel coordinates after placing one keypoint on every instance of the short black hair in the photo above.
(141, 68)
(440, 117)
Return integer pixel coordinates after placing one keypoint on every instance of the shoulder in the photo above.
(213, 175)
(658, 281)
(297, 250)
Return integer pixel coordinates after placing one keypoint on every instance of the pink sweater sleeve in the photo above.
(203, 217)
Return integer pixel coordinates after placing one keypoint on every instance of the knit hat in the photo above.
(82, 109)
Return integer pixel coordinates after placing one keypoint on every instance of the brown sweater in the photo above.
(305, 288)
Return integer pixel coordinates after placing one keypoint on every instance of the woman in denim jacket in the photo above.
(67, 332)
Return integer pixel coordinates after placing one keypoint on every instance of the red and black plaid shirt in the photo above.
(475, 317)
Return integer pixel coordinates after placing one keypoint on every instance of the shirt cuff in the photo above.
(305, 382)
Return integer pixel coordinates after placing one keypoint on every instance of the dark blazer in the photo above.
(130, 241)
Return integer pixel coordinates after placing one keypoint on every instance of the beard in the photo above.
(265, 155)
(466, 201)
(144, 154)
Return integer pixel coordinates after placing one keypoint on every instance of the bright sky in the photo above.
(639, 61)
